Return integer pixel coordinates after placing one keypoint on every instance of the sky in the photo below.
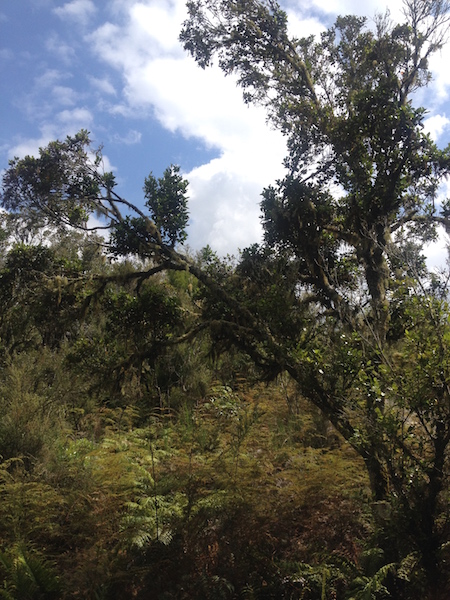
(117, 69)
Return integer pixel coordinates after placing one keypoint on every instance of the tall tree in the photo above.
(360, 166)
(344, 230)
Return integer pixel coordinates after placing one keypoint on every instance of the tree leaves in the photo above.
(167, 201)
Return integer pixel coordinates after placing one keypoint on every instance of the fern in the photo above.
(248, 593)
(408, 566)
(214, 587)
(372, 588)
(27, 575)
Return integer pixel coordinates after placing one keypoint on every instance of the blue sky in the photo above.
(117, 69)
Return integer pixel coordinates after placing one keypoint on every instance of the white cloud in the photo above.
(80, 10)
(103, 85)
(59, 49)
(436, 125)
(132, 137)
(300, 27)
(437, 252)
(159, 23)
(224, 210)
(64, 95)
(355, 7)
(441, 77)
(159, 78)
(75, 119)
(66, 122)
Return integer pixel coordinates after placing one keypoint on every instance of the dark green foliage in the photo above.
(59, 186)
(167, 202)
(129, 236)
(151, 314)
(35, 297)
(27, 576)
(65, 185)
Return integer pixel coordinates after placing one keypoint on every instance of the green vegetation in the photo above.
(126, 475)
(276, 426)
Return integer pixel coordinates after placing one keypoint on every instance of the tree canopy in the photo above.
(360, 166)
(350, 219)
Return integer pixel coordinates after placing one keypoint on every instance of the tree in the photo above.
(166, 199)
(360, 167)
(337, 295)
(65, 185)
(361, 189)
(58, 188)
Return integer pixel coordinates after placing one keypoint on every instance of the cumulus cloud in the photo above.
(440, 84)
(75, 119)
(436, 125)
(80, 10)
(103, 85)
(300, 27)
(60, 49)
(160, 78)
(160, 23)
(230, 219)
